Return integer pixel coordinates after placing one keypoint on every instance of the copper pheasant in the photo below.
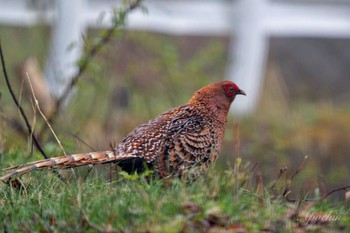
(182, 141)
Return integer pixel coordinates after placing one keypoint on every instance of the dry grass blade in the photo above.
(43, 115)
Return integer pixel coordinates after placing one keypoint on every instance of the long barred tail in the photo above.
(68, 161)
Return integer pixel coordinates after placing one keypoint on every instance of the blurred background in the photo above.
(291, 58)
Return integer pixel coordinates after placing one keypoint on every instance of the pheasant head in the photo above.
(217, 97)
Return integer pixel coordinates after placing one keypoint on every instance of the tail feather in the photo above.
(68, 161)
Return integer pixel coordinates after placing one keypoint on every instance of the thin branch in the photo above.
(335, 190)
(299, 168)
(289, 181)
(82, 141)
(29, 127)
(248, 175)
(86, 59)
(253, 168)
(282, 170)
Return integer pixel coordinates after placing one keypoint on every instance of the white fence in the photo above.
(250, 22)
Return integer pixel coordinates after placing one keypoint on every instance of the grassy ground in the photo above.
(221, 201)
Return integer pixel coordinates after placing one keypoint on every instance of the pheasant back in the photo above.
(176, 142)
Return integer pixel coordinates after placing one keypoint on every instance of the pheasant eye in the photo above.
(229, 90)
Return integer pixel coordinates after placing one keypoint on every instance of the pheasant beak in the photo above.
(240, 92)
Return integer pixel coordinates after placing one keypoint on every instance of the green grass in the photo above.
(217, 201)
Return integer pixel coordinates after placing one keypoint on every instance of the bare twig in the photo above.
(335, 190)
(300, 167)
(252, 169)
(315, 201)
(82, 141)
(29, 127)
(90, 54)
(248, 175)
(282, 170)
(289, 181)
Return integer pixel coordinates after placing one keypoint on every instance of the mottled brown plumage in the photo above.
(183, 141)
